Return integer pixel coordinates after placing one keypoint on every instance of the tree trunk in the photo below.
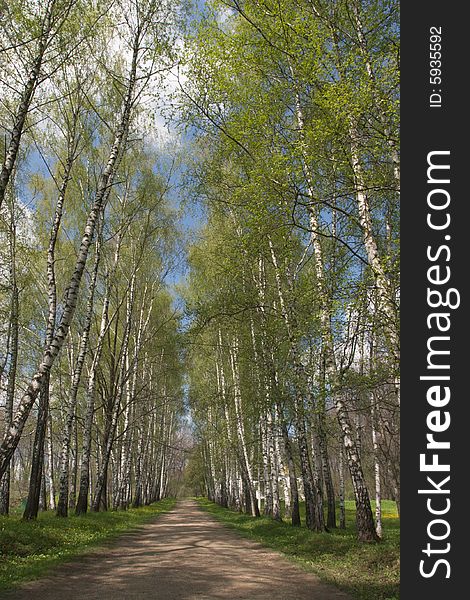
(63, 501)
(13, 360)
(323, 446)
(268, 490)
(99, 496)
(74, 467)
(122, 500)
(84, 485)
(364, 519)
(274, 467)
(131, 383)
(50, 465)
(295, 505)
(386, 294)
(246, 466)
(312, 493)
(43, 493)
(37, 463)
(231, 465)
(100, 491)
(378, 491)
(342, 508)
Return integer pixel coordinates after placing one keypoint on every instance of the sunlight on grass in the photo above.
(365, 571)
(29, 548)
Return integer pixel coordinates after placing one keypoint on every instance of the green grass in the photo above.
(365, 571)
(28, 549)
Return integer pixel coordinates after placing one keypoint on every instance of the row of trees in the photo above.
(293, 344)
(90, 366)
(293, 290)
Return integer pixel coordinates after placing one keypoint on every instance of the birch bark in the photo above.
(12, 354)
(246, 465)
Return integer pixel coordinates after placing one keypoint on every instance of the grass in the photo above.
(28, 549)
(365, 571)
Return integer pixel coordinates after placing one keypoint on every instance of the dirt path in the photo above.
(183, 555)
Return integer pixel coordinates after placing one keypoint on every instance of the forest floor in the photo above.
(185, 554)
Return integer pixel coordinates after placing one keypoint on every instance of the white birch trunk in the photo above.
(378, 490)
(342, 509)
(241, 428)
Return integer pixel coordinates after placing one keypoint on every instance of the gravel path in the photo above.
(183, 555)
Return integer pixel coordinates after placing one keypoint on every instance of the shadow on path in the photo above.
(184, 555)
